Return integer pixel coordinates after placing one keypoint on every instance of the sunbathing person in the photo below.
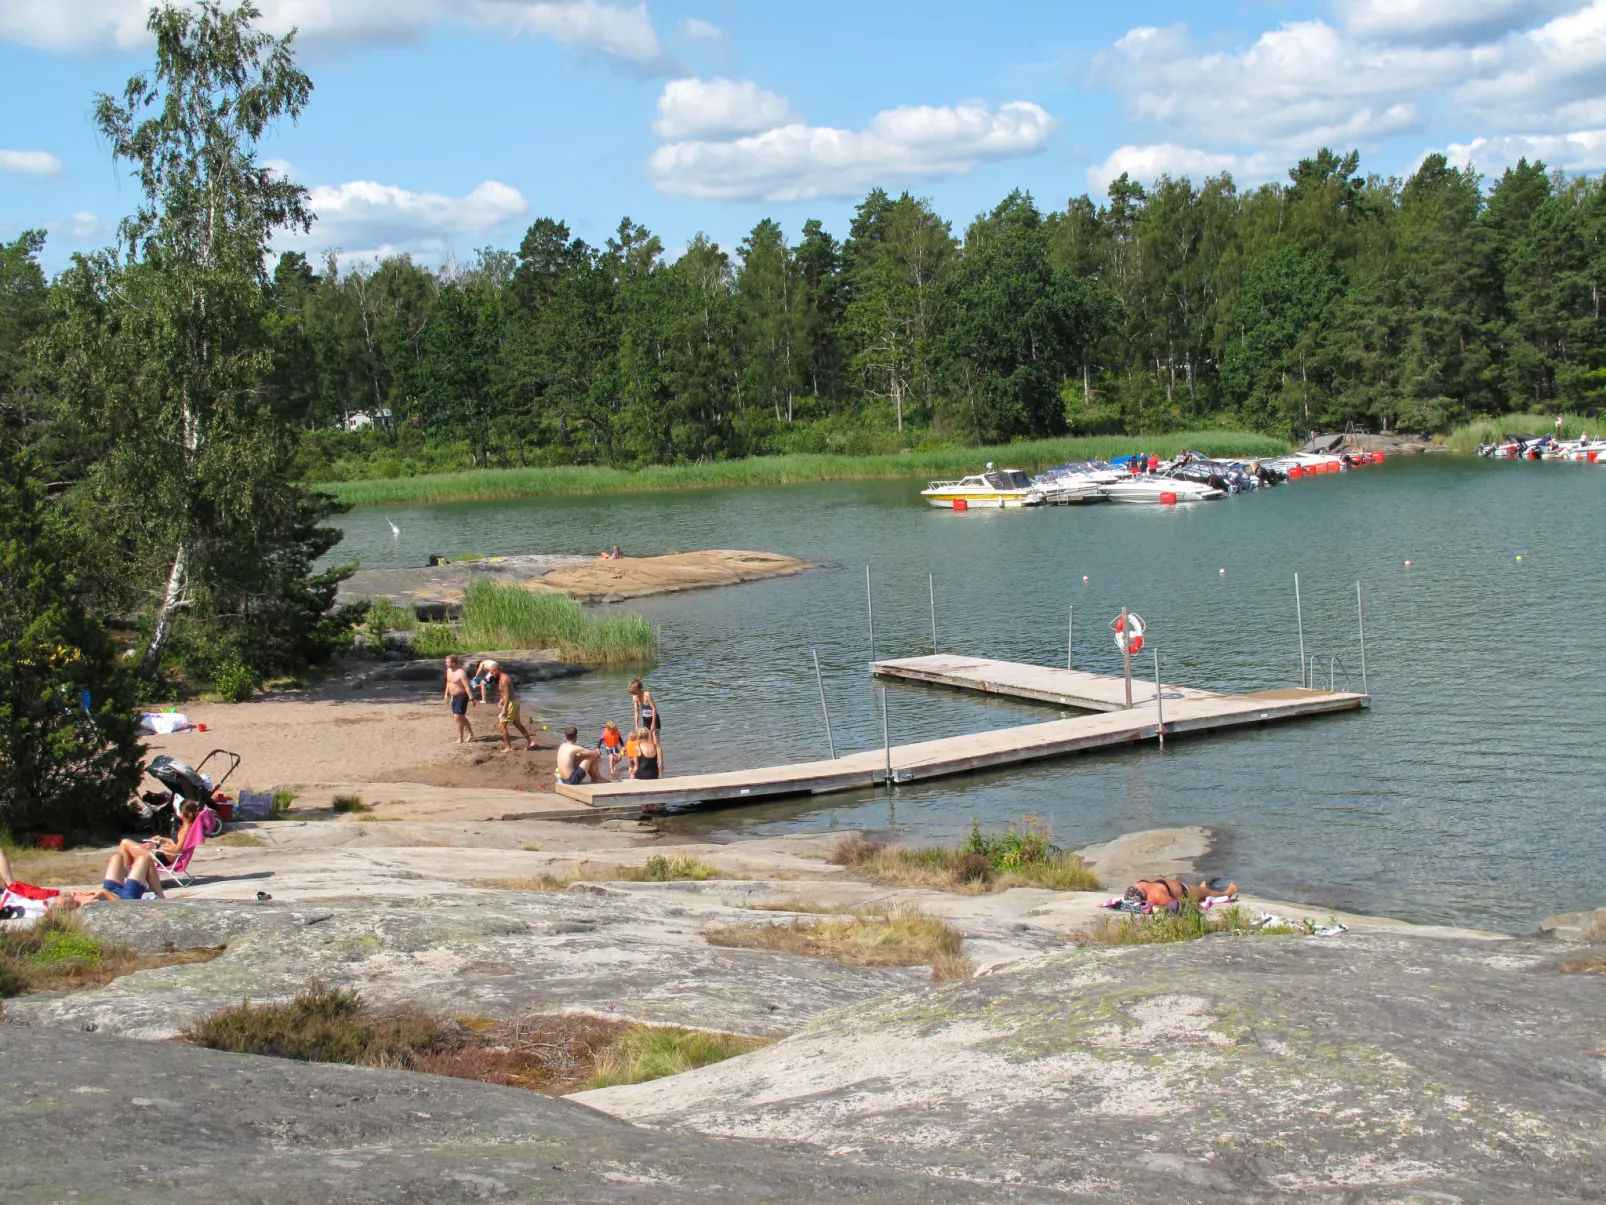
(5, 871)
(125, 882)
(168, 847)
(1162, 893)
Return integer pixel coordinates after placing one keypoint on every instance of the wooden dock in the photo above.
(1185, 710)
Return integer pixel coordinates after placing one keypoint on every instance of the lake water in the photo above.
(1473, 791)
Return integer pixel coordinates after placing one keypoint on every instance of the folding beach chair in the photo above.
(206, 822)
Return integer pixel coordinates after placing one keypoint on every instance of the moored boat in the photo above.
(1160, 491)
(995, 489)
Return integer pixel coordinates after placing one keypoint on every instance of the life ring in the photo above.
(1128, 637)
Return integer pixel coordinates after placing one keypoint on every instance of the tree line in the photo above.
(1333, 298)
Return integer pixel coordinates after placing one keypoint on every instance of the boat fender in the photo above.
(1168, 499)
(961, 504)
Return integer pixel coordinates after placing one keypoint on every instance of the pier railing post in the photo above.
(1070, 637)
(886, 739)
(869, 611)
(824, 710)
(1126, 655)
(931, 585)
(1360, 614)
(1159, 702)
(1299, 614)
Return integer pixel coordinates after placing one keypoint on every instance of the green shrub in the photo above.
(234, 682)
(385, 616)
(321, 1025)
(349, 804)
(64, 766)
(647, 1052)
(437, 640)
(65, 945)
(281, 803)
(660, 869)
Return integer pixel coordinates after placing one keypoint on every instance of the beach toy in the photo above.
(1519, 560)
(1084, 577)
(1407, 564)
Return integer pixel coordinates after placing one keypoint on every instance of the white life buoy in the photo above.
(1128, 637)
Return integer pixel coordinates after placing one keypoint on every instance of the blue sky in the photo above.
(441, 125)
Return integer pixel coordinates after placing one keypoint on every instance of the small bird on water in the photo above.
(394, 530)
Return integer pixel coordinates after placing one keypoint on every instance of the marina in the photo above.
(1154, 714)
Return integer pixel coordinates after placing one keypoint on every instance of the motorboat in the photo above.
(995, 489)
(1160, 491)
(1072, 484)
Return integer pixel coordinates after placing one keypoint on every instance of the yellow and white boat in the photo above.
(995, 489)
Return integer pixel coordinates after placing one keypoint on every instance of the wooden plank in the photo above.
(1038, 683)
(1194, 711)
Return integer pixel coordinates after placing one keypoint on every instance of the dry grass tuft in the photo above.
(1590, 964)
(1128, 929)
(550, 1053)
(56, 955)
(895, 938)
(239, 840)
(1024, 855)
(658, 869)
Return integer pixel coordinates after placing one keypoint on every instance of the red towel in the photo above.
(29, 892)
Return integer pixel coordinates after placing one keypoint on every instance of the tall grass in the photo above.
(500, 615)
(1468, 436)
(788, 470)
(1022, 856)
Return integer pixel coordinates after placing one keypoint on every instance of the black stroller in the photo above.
(159, 810)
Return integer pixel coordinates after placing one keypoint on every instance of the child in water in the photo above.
(612, 745)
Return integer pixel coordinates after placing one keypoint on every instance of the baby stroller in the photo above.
(159, 810)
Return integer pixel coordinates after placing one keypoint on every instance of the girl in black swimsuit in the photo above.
(647, 715)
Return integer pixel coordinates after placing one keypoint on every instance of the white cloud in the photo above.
(1581, 151)
(1444, 21)
(363, 217)
(1146, 164)
(621, 32)
(691, 108)
(1531, 77)
(1297, 86)
(30, 163)
(798, 162)
(695, 29)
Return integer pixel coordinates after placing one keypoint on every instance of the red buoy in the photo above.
(961, 504)
(1295, 472)
(1168, 499)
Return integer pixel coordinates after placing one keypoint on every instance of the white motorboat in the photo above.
(1069, 484)
(1159, 491)
(996, 489)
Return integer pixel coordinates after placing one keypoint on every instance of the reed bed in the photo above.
(500, 615)
(788, 470)
(1468, 436)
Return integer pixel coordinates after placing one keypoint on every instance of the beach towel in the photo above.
(34, 901)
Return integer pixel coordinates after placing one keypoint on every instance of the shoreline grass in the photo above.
(1024, 855)
(548, 1053)
(491, 484)
(1468, 436)
(894, 938)
(501, 615)
(658, 869)
(55, 954)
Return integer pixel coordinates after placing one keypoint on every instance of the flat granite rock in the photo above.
(93, 1119)
(493, 956)
(1352, 1069)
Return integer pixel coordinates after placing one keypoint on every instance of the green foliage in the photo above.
(1468, 436)
(64, 767)
(648, 1052)
(1185, 924)
(385, 616)
(282, 801)
(437, 640)
(660, 869)
(501, 615)
(1024, 844)
(793, 469)
(64, 945)
(234, 682)
(349, 804)
(321, 1025)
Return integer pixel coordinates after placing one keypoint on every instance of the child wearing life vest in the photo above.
(612, 744)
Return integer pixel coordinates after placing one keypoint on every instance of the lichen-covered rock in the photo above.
(89, 1118)
(1576, 926)
(494, 955)
(1373, 1068)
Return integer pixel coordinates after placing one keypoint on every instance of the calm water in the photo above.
(1473, 791)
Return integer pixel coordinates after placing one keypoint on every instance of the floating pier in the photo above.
(1182, 710)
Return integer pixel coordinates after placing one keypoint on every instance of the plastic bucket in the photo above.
(50, 841)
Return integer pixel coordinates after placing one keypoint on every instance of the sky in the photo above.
(440, 126)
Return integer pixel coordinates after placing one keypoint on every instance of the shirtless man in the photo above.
(507, 714)
(575, 761)
(459, 696)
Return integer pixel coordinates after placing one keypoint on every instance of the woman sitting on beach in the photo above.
(168, 848)
(648, 759)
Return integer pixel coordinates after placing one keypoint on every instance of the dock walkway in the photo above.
(1186, 710)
